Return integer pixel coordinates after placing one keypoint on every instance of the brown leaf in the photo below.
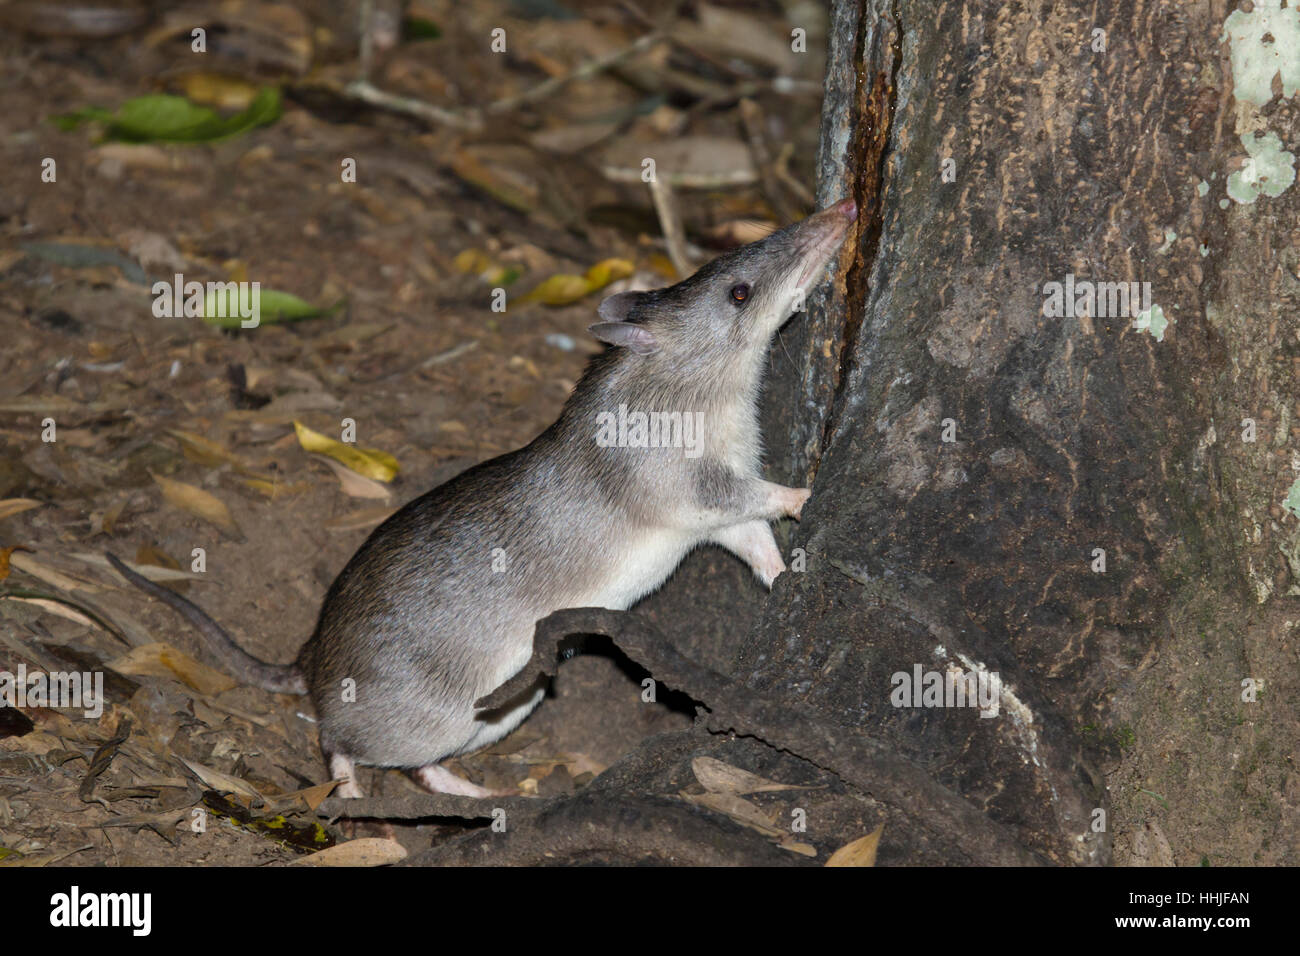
(163, 660)
(861, 852)
(369, 851)
(719, 777)
(200, 503)
(222, 782)
(353, 484)
(742, 811)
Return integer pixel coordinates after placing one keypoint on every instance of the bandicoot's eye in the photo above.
(739, 293)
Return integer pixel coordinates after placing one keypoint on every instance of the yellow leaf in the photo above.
(607, 271)
(471, 260)
(559, 289)
(861, 852)
(202, 450)
(661, 264)
(364, 461)
(215, 89)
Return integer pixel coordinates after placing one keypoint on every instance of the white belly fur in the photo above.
(633, 573)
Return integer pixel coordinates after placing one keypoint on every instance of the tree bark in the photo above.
(1072, 434)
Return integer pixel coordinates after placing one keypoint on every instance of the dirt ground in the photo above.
(156, 417)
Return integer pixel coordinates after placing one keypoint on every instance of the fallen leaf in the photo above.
(311, 797)
(221, 307)
(365, 461)
(152, 571)
(219, 781)
(369, 851)
(50, 576)
(174, 119)
(861, 852)
(738, 809)
(563, 289)
(217, 89)
(719, 777)
(200, 503)
(559, 289)
(358, 486)
(162, 660)
(205, 451)
(788, 842)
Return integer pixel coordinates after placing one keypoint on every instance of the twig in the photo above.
(671, 223)
(366, 54)
(782, 171)
(366, 92)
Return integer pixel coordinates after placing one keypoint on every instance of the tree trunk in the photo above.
(1072, 501)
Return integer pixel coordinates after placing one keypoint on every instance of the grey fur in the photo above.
(419, 618)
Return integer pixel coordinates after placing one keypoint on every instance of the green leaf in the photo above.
(221, 307)
(174, 119)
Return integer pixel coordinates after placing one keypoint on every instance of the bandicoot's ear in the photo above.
(617, 307)
(636, 338)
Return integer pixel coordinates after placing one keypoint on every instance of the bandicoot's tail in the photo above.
(283, 679)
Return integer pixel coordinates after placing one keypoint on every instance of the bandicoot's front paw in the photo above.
(795, 499)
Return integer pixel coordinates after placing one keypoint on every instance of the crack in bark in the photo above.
(876, 97)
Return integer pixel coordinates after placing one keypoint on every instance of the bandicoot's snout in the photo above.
(821, 234)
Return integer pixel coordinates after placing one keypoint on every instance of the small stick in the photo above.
(780, 167)
(671, 223)
(366, 92)
(366, 55)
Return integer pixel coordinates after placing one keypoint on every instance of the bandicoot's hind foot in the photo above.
(343, 768)
(753, 543)
(438, 779)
